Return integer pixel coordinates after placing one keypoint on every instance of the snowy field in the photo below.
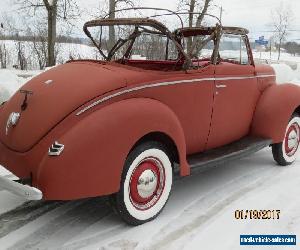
(65, 51)
(199, 214)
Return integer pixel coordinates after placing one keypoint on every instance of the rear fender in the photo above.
(97, 146)
(274, 110)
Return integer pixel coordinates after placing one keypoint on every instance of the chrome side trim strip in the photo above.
(165, 84)
(263, 76)
(140, 88)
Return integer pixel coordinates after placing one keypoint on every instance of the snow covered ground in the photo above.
(11, 80)
(274, 56)
(199, 214)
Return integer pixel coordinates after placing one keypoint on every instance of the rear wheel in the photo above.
(285, 153)
(146, 184)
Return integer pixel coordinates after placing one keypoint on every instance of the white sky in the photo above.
(254, 15)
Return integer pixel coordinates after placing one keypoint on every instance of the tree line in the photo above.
(51, 23)
(47, 14)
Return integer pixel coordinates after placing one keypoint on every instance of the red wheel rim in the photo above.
(292, 139)
(147, 184)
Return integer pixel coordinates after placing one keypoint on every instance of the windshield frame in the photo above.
(177, 37)
(215, 33)
(145, 22)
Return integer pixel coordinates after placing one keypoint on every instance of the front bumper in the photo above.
(24, 191)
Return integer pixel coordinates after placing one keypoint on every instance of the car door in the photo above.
(236, 92)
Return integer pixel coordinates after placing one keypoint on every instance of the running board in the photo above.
(228, 153)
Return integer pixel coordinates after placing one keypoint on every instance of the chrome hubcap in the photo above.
(292, 140)
(147, 184)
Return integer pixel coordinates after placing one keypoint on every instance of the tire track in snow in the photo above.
(70, 229)
(63, 228)
(22, 215)
(105, 234)
(35, 225)
(214, 208)
(225, 180)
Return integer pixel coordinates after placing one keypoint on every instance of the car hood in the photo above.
(55, 94)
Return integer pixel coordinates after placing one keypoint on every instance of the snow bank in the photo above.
(9, 84)
(11, 201)
(274, 57)
(4, 172)
(284, 73)
(297, 74)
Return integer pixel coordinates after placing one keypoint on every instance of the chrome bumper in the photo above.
(25, 191)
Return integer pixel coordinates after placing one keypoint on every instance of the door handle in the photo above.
(220, 86)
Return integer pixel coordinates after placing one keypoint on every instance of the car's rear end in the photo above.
(40, 113)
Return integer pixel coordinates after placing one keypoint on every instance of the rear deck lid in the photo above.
(55, 94)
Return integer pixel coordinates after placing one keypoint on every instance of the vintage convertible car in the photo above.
(123, 126)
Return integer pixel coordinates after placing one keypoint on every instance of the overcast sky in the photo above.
(252, 14)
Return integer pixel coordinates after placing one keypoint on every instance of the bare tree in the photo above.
(3, 51)
(52, 20)
(112, 32)
(39, 45)
(3, 56)
(113, 4)
(40, 49)
(56, 9)
(194, 20)
(22, 60)
(292, 48)
(6, 27)
(281, 21)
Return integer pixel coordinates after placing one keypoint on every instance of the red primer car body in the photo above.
(101, 110)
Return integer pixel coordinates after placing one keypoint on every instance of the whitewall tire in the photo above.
(145, 185)
(286, 153)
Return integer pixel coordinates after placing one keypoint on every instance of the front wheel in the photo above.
(145, 185)
(285, 153)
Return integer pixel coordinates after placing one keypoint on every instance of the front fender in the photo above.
(274, 110)
(97, 146)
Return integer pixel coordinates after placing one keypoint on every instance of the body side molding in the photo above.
(155, 85)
